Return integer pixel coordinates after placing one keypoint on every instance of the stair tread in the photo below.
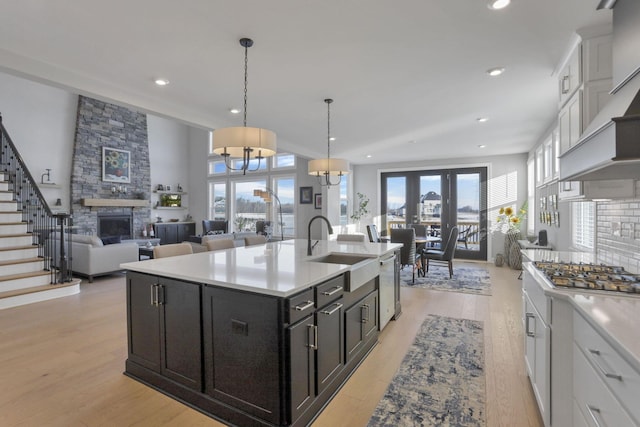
(13, 223)
(4, 236)
(19, 248)
(24, 275)
(33, 289)
(21, 261)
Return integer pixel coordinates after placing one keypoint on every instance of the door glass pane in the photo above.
(468, 212)
(217, 200)
(285, 189)
(396, 202)
(430, 204)
(248, 208)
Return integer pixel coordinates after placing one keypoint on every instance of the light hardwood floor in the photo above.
(61, 361)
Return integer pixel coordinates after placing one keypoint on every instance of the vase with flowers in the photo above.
(509, 222)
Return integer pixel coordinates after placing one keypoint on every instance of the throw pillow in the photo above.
(110, 240)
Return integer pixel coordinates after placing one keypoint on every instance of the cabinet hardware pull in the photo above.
(526, 326)
(152, 288)
(565, 86)
(160, 297)
(335, 290)
(592, 412)
(157, 292)
(599, 366)
(314, 345)
(363, 307)
(309, 304)
(329, 313)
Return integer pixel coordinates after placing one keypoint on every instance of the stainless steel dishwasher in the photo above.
(387, 275)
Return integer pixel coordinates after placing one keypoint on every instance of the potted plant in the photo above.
(509, 223)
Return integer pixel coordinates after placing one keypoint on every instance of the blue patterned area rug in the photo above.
(441, 381)
(466, 279)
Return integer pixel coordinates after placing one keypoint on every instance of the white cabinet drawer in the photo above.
(537, 296)
(592, 398)
(621, 378)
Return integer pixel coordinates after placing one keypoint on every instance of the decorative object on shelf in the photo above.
(323, 169)
(509, 220)
(499, 261)
(119, 189)
(58, 202)
(246, 143)
(317, 200)
(167, 188)
(48, 175)
(170, 200)
(179, 188)
(362, 210)
(116, 165)
(266, 196)
(306, 195)
(160, 187)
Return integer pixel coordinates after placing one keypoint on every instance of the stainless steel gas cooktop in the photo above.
(590, 276)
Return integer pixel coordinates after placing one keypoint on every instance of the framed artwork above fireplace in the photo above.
(116, 165)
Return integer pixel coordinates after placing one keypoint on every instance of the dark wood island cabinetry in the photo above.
(248, 358)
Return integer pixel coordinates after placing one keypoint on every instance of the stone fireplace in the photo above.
(100, 124)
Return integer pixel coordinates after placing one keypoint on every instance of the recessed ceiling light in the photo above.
(498, 4)
(234, 110)
(482, 119)
(333, 138)
(162, 82)
(494, 72)
(481, 146)
(369, 156)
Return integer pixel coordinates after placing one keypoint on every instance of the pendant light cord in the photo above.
(246, 79)
(328, 101)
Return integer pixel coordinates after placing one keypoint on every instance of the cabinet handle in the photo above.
(599, 366)
(152, 288)
(365, 307)
(526, 325)
(329, 313)
(592, 412)
(314, 344)
(160, 294)
(565, 84)
(309, 304)
(335, 290)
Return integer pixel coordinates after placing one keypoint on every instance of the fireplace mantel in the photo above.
(119, 203)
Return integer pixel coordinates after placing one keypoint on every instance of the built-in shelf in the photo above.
(169, 192)
(170, 207)
(131, 203)
(49, 185)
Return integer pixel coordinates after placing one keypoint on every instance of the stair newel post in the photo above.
(63, 261)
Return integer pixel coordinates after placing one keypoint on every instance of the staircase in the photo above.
(27, 273)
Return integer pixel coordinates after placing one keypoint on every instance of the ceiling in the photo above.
(408, 78)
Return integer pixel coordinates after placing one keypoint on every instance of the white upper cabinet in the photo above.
(570, 79)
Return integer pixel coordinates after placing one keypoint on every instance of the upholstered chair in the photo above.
(406, 236)
(442, 256)
(219, 244)
(258, 239)
(164, 251)
(350, 238)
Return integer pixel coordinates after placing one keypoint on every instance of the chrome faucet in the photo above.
(309, 248)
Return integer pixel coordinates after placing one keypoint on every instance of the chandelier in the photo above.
(327, 167)
(245, 143)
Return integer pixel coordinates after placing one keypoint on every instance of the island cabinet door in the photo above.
(330, 347)
(164, 327)
(361, 324)
(301, 361)
(244, 350)
(143, 321)
(180, 332)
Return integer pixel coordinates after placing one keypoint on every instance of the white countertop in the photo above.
(276, 268)
(614, 315)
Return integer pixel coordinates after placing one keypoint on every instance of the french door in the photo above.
(439, 199)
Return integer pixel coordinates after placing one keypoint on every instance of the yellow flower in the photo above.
(508, 211)
(501, 211)
(515, 220)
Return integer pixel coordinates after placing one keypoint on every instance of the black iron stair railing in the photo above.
(36, 213)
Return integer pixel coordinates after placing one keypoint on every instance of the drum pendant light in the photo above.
(324, 169)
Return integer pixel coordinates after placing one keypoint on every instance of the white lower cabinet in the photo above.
(537, 352)
(594, 404)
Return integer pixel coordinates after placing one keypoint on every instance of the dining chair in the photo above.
(406, 236)
(421, 230)
(465, 235)
(442, 256)
(258, 239)
(164, 251)
(374, 237)
(219, 244)
(350, 238)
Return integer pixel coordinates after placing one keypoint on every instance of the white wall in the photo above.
(169, 160)
(511, 168)
(41, 122)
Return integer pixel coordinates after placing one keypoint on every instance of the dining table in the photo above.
(424, 240)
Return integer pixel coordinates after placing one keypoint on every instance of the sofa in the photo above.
(91, 257)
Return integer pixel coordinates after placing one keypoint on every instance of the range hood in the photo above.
(610, 146)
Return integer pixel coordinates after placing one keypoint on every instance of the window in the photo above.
(217, 200)
(344, 200)
(284, 187)
(583, 225)
(284, 160)
(247, 208)
(531, 194)
(217, 167)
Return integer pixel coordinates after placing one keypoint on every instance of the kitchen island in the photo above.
(262, 335)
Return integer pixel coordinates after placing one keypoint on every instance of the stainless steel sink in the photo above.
(362, 268)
